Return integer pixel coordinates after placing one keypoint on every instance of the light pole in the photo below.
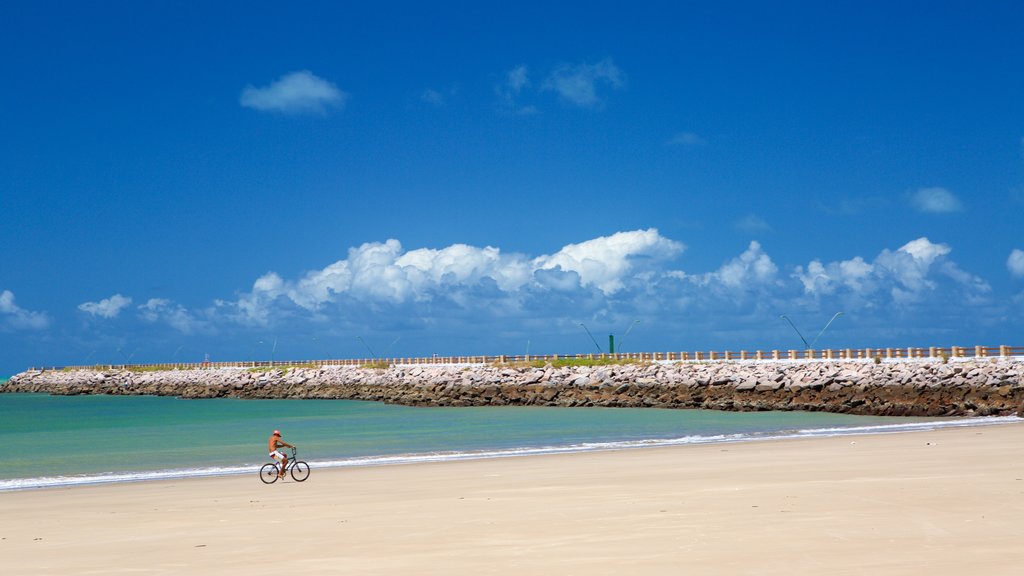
(393, 342)
(628, 330)
(815, 341)
(360, 338)
(128, 359)
(786, 318)
(591, 338)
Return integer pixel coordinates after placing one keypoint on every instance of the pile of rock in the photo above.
(913, 388)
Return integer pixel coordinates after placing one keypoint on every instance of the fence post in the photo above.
(760, 355)
(979, 352)
(775, 354)
(1004, 351)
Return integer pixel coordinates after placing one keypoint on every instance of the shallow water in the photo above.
(58, 440)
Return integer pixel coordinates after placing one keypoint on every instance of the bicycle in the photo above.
(299, 470)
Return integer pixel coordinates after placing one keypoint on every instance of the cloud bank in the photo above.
(487, 298)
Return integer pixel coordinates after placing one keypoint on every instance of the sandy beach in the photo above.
(939, 502)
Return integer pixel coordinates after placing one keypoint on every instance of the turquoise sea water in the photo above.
(60, 440)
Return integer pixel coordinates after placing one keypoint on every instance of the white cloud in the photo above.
(383, 272)
(687, 139)
(15, 318)
(468, 289)
(905, 274)
(294, 93)
(1015, 263)
(752, 224)
(106, 308)
(935, 200)
(175, 315)
(517, 78)
(605, 262)
(749, 270)
(511, 88)
(578, 85)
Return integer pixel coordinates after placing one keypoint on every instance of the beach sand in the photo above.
(939, 502)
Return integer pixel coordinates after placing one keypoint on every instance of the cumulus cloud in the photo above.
(385, 273)
(299, 92)
(606, 262)
(490, 294)
(578, 84)
(935, 201)
(903, 276)
(13, 317)
(106, 308)
(1015, 263)
(749, 270)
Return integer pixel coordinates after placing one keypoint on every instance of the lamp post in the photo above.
(591, 338)
(127, 359)
(628, 330)
(786, 318)
(815, 341)
(360, 338)
(388, 349)
(836, 315)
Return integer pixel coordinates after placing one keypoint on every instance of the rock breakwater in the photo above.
(914, 388)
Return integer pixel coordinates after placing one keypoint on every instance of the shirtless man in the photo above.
(273, 444)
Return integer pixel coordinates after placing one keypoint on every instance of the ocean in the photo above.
(69, 440)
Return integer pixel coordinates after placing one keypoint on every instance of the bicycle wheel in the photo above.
(300, 471)
(268, 473)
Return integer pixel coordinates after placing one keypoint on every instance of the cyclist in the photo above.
(273, 444)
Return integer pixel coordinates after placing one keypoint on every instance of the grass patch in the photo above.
(378, 365)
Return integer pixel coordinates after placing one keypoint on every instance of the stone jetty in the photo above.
(979, 387)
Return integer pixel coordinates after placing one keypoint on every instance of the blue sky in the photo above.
(481, 178)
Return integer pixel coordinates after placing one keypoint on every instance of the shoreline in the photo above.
(939, 502)
(129, 477)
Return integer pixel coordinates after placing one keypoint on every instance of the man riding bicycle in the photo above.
(273, 444)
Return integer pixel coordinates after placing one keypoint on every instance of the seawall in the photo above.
(905, 388)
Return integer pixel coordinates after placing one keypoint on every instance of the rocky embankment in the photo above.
(964, 388)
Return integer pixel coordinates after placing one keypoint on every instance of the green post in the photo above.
(611, 344)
